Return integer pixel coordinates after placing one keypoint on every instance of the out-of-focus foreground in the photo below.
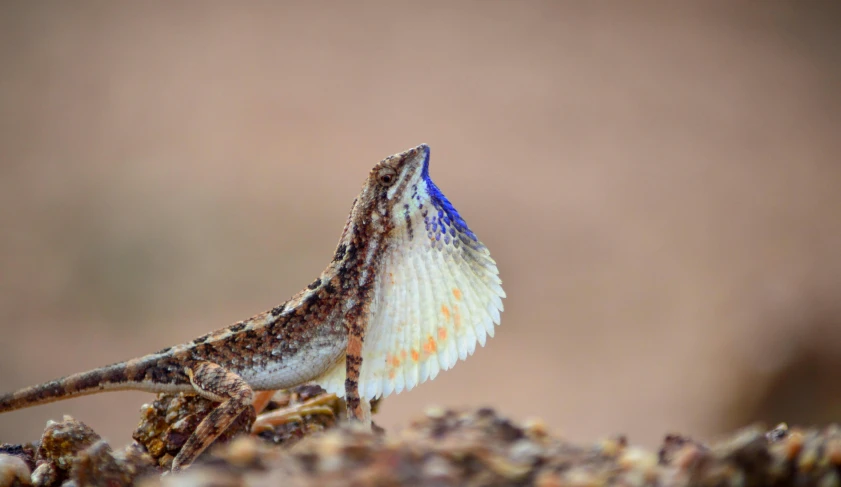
(658, 183)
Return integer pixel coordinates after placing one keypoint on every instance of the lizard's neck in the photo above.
(359, 254)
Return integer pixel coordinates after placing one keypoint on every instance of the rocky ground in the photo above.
(475, 448)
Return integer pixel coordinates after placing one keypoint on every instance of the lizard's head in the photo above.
(399, 190)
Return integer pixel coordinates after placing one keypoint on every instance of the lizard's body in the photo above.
(408, 276)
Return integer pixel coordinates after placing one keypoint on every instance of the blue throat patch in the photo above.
(447, 221)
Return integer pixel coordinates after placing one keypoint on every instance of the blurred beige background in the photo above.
(659, 184)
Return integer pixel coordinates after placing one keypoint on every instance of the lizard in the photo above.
(409, 292)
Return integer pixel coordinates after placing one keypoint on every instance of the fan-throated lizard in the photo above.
(410, 291)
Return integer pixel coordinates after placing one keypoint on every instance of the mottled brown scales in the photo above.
(293, 343)
(238, 327)
(201, 339)
(340, 253)
(277, 310)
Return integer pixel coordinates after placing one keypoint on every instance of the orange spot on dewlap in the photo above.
(445, 311)
(457, 294)
(456, 317)
(415, 356)
(393, 362)
(442, 334)
(430, 346)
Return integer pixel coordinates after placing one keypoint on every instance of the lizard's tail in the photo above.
(152, 373)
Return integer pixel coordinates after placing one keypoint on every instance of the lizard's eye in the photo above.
(386, 176)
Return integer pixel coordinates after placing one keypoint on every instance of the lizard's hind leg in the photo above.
(213, 382)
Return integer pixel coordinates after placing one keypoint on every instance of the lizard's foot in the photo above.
(323, 404)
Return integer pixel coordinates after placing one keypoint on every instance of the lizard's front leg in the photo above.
(217, 384)
(357, 407)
